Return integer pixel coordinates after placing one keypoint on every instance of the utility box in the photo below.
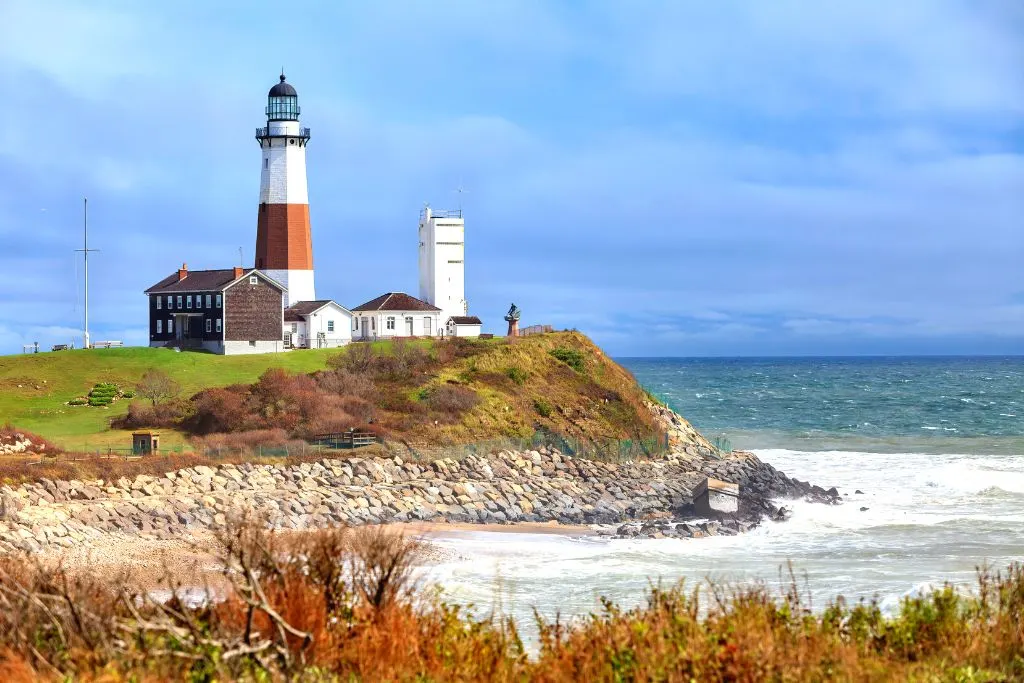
(714, 497)
(144, 443)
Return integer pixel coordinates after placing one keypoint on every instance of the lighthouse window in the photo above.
(266, 163)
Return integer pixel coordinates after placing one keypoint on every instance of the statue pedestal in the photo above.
(513, 328)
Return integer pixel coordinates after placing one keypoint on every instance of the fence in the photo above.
(535, 329)
(610, 450)
(345, 440)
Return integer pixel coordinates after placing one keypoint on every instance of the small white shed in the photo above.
(463, 326)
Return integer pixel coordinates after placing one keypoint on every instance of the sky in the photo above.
(673, 178)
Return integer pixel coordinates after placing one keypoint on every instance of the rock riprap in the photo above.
(530, 486)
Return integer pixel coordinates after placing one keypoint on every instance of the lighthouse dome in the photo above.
(282, 102)
(282, 89)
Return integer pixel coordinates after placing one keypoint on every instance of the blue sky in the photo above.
(673, 178)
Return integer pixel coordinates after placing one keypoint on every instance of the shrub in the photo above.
(128, 394)
(157, 386)
(99, 401)
(517, 375)
(542, 407)
(346, 383)
(357, 358)
(574, 359)
(78, 402)
(452, 400)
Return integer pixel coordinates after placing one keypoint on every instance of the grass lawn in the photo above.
(34, 388)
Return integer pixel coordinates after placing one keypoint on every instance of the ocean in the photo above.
(928, 453)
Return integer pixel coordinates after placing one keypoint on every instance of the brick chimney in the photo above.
(238, 272)
(182, 272)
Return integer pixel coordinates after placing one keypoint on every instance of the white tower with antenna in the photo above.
(442, 261)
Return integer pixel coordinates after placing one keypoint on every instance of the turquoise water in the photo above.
(880, 405)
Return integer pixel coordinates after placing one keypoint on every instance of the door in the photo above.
(427, 327)
(180, 327)
(408, 327)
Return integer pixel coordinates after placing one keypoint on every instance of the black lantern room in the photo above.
(282, 102)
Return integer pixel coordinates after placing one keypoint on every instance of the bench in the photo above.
(60, 347)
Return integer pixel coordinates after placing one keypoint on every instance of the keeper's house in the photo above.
(395, 314)
(230, 311)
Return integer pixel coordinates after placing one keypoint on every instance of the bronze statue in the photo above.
(513, 321)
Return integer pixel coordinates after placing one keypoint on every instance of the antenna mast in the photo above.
(85, 253)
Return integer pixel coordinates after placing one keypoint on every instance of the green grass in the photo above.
(49, 380)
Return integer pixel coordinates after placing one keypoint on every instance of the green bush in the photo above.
(99, 402)
(542, 407)
(574, 359)
(517, 375)
(128, 394)
(423, 394)
(78, 402)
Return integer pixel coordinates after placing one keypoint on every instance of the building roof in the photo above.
(466, 320)
(194, 281)
(206, 280)
(396, 301)
(298, 311)
(282, 89)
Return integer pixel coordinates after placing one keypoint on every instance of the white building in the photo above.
(442, 261)
(317, 325)
(463, 326)
(395, 314)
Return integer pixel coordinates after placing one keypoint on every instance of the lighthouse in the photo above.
(284, 246)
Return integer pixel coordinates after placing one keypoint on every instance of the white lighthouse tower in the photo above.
(284, 246)
(442, 261)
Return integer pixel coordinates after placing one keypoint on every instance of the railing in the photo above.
(107, 344)
(264, 132)
(349, 439)
(443, 213)
(535, 329)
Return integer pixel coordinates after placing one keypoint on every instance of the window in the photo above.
(170, 325)
(208, 324)
(218, 301)
(199, 300)
(179, 302)
(159, 326)
(295, 328)
(266, 162)
(253, 279)
(208, 301)
(170, 302)
(330, 326)
(218, 324)
(159, 302)
(252, 342)
(188, 301)
(355, 324)
(391, 322)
